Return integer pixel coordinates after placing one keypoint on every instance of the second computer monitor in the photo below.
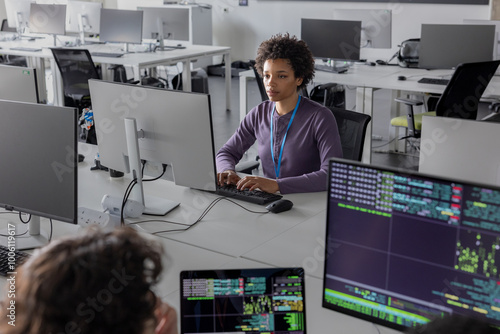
(175, 126)
(447, 45)
(167, 23)
(120, 26)
(47, 19)
(333, 39)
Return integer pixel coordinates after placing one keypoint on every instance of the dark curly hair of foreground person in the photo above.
(96, 282)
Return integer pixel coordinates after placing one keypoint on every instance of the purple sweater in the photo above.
(313, 138)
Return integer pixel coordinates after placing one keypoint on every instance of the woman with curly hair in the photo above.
(295, 135)
(94, 283)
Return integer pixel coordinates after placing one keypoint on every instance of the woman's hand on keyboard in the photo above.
(227, 177)
(257, 182)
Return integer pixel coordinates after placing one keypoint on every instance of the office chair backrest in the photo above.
(5, 26)
(76, 67)
(460, 98)
(260, 83)
(329, 94)
(352, 129)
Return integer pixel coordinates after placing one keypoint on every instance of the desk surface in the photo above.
(228, 237)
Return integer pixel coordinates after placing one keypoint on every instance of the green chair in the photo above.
(460, 98)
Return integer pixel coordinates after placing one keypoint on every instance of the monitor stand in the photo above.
(33, 238)
(332, 66)
(152, 205)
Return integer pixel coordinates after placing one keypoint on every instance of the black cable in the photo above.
(156, 178)
(21, 218)
(203, 214)
(125, 199)
(51, 230)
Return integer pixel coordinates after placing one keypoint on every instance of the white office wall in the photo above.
(244, 27)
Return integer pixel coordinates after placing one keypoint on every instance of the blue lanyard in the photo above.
(277, 169)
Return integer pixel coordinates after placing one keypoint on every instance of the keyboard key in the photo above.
(6, 263)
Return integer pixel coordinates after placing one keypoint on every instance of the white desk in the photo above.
(138, 61)
(228, 237)
(367, 79)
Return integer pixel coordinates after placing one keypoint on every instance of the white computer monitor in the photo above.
(47, 19)
(120, 26)
(176, 128)
(83, 17)
(459, 148)
(18, 84)
(18, 13)
(376, 25)
(39, 166)
(165, 23)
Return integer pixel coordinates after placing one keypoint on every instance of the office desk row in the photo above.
(139, 61)
(368, 79)
(228, 237)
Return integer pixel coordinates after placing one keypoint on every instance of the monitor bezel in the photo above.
(126, 16)
(103, 125)
(231, 273)
(70, 162)
(328, 247)
(53, 13)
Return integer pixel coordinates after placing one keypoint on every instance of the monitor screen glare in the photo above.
(404, 248)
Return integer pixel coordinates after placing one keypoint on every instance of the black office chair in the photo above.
(329, 94)
(352, 130)
(460, 98)
(76, 67)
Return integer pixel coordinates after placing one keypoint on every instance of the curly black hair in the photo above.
(291, 48)
(98, 282)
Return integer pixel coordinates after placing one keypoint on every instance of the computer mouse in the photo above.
(402, 78)
(381, 62)
(371, 63)
(279, 206)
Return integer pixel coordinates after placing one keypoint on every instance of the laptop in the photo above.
(267, 300)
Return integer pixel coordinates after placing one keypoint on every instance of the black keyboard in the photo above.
(107, 54)
(26, 49)
(253, 196)
(434, 81)
(6, 263)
